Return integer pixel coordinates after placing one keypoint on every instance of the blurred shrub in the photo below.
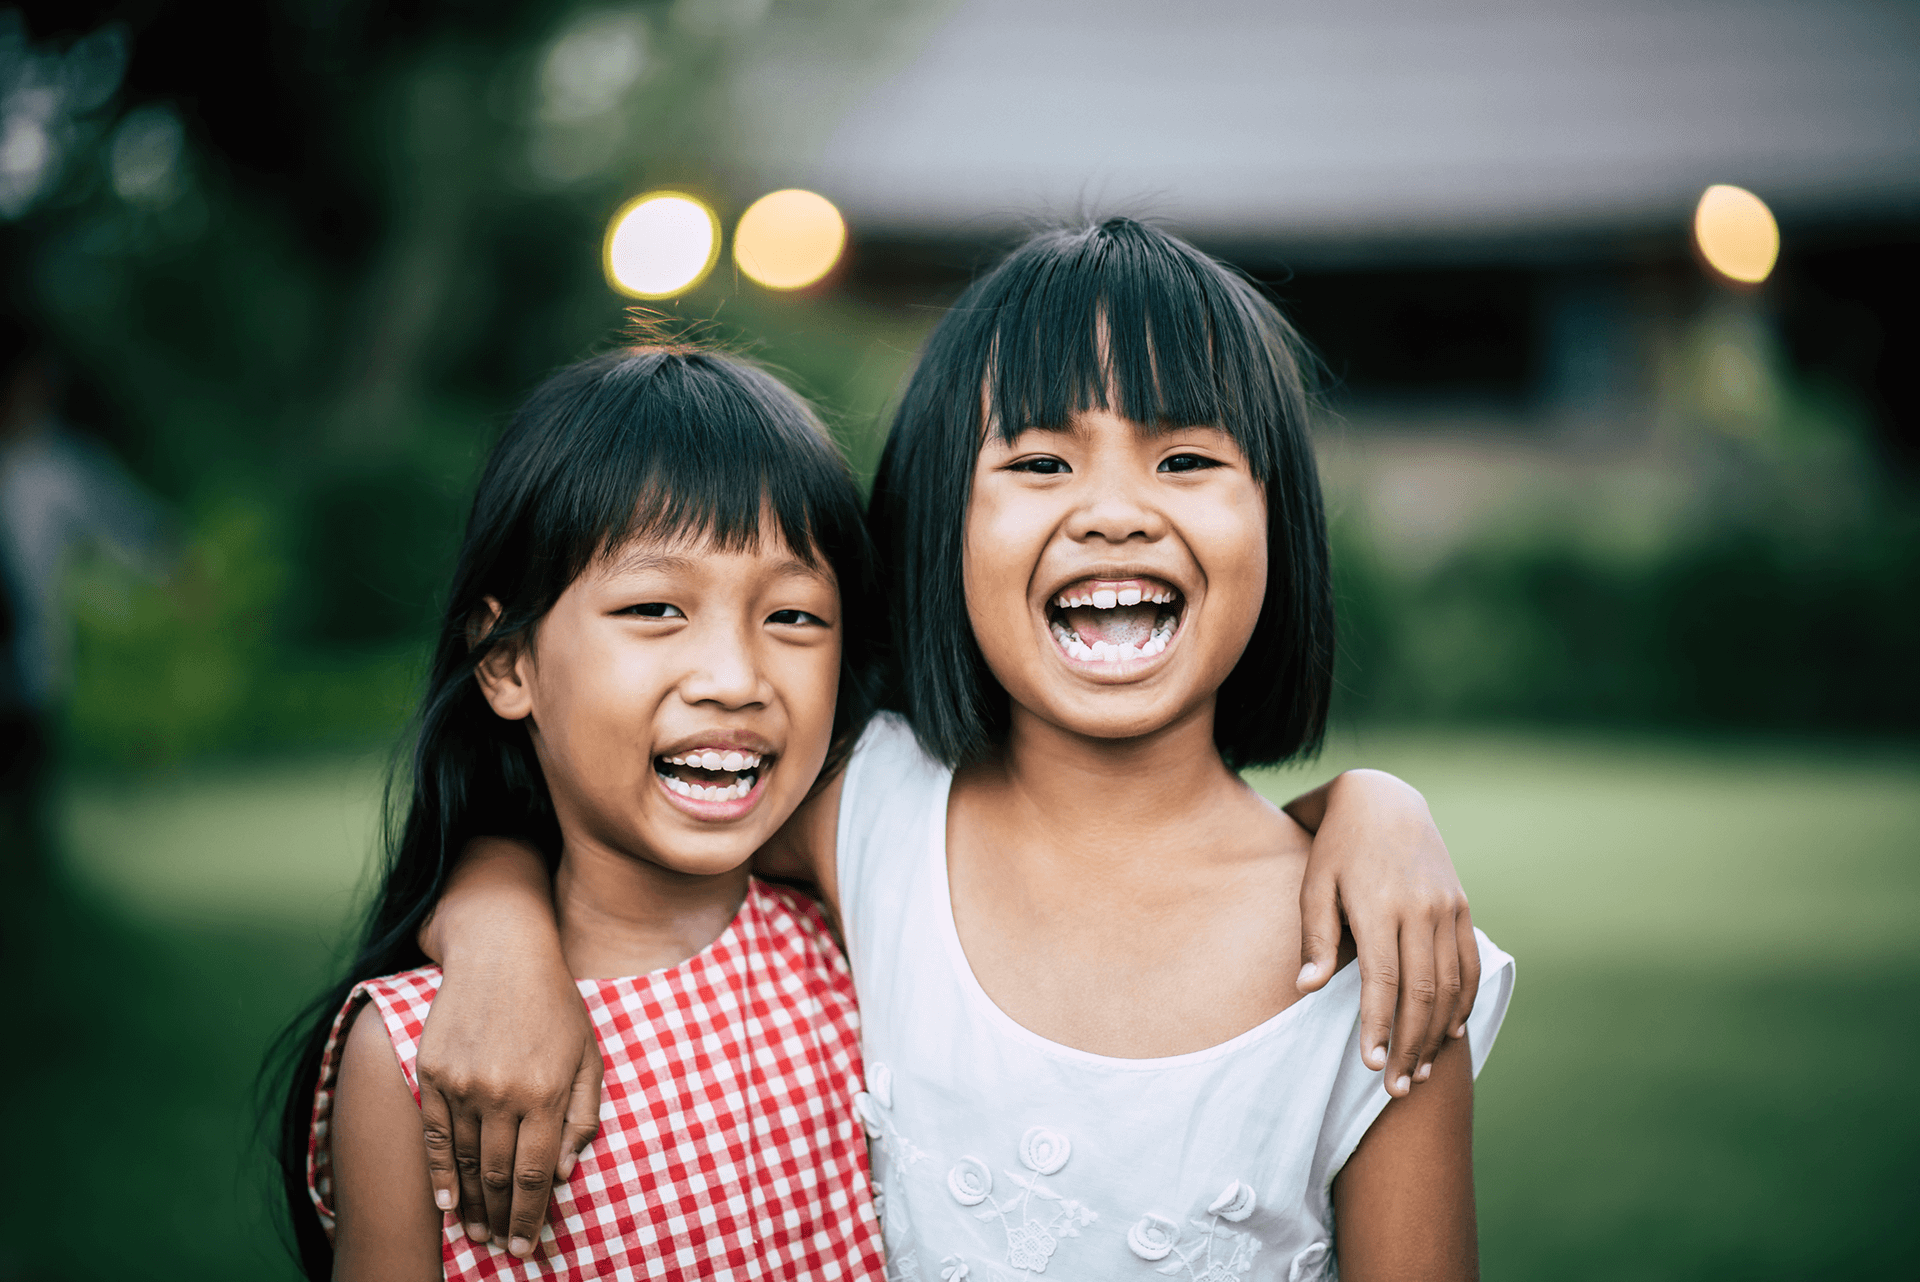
(201, 666)
(1753, 624)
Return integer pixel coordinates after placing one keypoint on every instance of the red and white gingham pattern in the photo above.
(728, 1145)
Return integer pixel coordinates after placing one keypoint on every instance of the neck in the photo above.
(1104, 797)
(622, 914)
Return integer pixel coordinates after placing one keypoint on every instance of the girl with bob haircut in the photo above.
(636, 676)
(1073, 928)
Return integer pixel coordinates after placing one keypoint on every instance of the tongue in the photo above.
(1123, 625)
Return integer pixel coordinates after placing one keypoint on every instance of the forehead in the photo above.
(763, 555)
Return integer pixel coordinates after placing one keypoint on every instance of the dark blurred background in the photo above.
(1629, 550)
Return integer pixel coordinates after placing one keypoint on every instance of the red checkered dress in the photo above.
(728, 1144)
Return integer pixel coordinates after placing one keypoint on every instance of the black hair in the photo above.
(1128, 318)
(639, 442)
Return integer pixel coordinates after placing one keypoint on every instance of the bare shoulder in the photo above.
(387, 1228)
(1270, 833)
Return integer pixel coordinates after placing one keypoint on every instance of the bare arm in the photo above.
(804, 848)
(1379, 863)
(385, 1228)
(509, 1067)
(1403, 1204)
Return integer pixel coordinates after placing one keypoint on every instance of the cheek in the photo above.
(1232, 534)
(1001, 545)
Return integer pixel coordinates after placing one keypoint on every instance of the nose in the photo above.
(1116, 509)
(725, 672)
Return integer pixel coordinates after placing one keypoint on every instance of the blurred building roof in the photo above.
(1345, 120)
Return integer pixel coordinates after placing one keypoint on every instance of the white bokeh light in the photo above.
(661, 244)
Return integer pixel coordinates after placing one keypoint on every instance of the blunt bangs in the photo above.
(661, 443)
(1127, 318)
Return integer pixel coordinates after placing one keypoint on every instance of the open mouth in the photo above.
(1115, 620)
(712, 774)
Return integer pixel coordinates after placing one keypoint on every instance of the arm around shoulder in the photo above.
(386, 1227)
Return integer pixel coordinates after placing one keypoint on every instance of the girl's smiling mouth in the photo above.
(1115, 621)
(713, 782)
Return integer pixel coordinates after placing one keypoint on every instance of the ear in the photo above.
(505, 674)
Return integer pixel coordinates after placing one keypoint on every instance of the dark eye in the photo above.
(652, 610)
(1187, 463)
(797, 618)
(1041, 465)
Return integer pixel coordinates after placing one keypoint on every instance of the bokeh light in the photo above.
(1736, 233)
(789, 239)
(661, 244)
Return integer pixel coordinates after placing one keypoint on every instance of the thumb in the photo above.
(583, 1111)
(1319, 931)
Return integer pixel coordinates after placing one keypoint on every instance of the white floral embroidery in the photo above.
(1152, 1237)
(1032, 1235)
(953, 1269)
(1310, 1265)
(970, 1181)
(1235, 1203)
(1215, 1253)
(1043, 1150)
(874, 1110)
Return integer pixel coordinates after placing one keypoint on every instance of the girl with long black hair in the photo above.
(648, 652)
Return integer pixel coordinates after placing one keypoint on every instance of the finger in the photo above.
(583, 1113)
(1319, 932)
(1418, 988)
(466, 1162)
(533, 1162)
(1379, 988)
(499, 1135)
(1446, 973)
(1469, 947)
(437, 1121)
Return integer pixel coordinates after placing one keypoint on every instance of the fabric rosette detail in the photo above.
(1310, 1265)
(1234, 1203)
(868, 1112)
(1151, 1237)
(880, 1084)
(1044, 1150)
(969, 1181)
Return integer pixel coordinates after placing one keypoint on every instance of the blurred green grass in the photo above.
(1704, 1072)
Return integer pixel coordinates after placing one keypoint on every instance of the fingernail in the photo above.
(1426, 1071)
(1401, 1085)
(1377, 1057)
(1460, 1031)
(477, 1232)
(1309, 973)
(443, 1199)
(520, 1247)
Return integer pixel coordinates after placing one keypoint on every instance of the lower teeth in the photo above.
(711, 792)
(1110, 652)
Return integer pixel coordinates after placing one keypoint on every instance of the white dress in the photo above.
(1000, 1154)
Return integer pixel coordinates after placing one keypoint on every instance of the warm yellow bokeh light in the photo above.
(660, 244)
(1736, 233)
(789, 239)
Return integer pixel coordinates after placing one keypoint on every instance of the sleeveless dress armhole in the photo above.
(402, 1002)
(1360, 1095)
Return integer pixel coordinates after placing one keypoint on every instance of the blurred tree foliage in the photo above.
(298, 268)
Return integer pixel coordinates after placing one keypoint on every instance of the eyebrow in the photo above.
(650, 560)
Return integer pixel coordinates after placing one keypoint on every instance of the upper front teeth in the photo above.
(1108, 598)
(711, 760)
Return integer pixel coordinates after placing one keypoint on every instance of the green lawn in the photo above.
(1704, 1073)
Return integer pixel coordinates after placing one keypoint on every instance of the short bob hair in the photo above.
(1127, 318)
